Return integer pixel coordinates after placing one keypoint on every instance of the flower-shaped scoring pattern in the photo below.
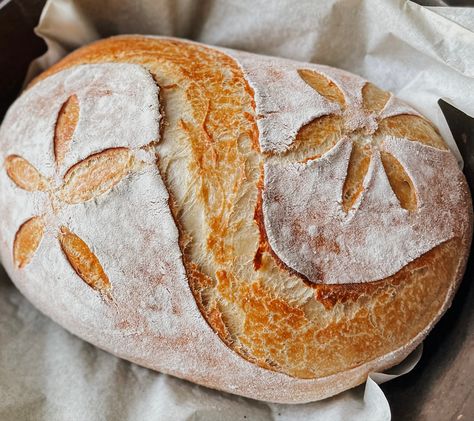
(367, 131)
(74, 178)
(352, 198)
(85, 180)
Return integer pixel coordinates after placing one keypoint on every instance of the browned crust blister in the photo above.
(259, 307)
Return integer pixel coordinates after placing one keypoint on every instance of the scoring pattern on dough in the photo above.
(217, 134)
(347, 202)
(84, 181)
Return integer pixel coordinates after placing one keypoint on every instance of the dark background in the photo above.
(441, 387)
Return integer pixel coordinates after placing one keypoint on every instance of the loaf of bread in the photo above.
(264, 227)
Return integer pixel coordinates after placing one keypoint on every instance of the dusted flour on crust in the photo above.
(284, 105)
(308, 229)
(151, 188)
(305, 223)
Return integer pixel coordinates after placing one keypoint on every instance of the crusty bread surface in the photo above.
(268, 228)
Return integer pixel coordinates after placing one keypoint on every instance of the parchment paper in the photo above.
(420, 54)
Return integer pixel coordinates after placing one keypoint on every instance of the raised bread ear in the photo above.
(249, 146)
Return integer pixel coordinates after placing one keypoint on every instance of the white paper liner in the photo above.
(419, 54)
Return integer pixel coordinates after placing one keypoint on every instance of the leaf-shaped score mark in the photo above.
(400, 182)
(315, 138)
(325, 87)
(25, 175)
(27, 241)
(356, 172)
(84, 261)
(65, 126)
(374, 98)
(96, 175)
(413, 128)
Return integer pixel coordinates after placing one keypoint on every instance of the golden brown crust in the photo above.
(255, 303)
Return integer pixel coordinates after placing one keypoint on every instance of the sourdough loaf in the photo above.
(260, 226)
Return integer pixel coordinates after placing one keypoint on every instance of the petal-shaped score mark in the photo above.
(325, 87)
(413, 128)
(374, 98)
(400, 182)
(25, 175)
(27, 241)
(321, 134)
(315, 138)
(356, 172)
(84, 261)
(65, 126)
(96, 175)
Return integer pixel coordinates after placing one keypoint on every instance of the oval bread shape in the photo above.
(27, 241)
(24, 174)
(95, 175)
(235, 251)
